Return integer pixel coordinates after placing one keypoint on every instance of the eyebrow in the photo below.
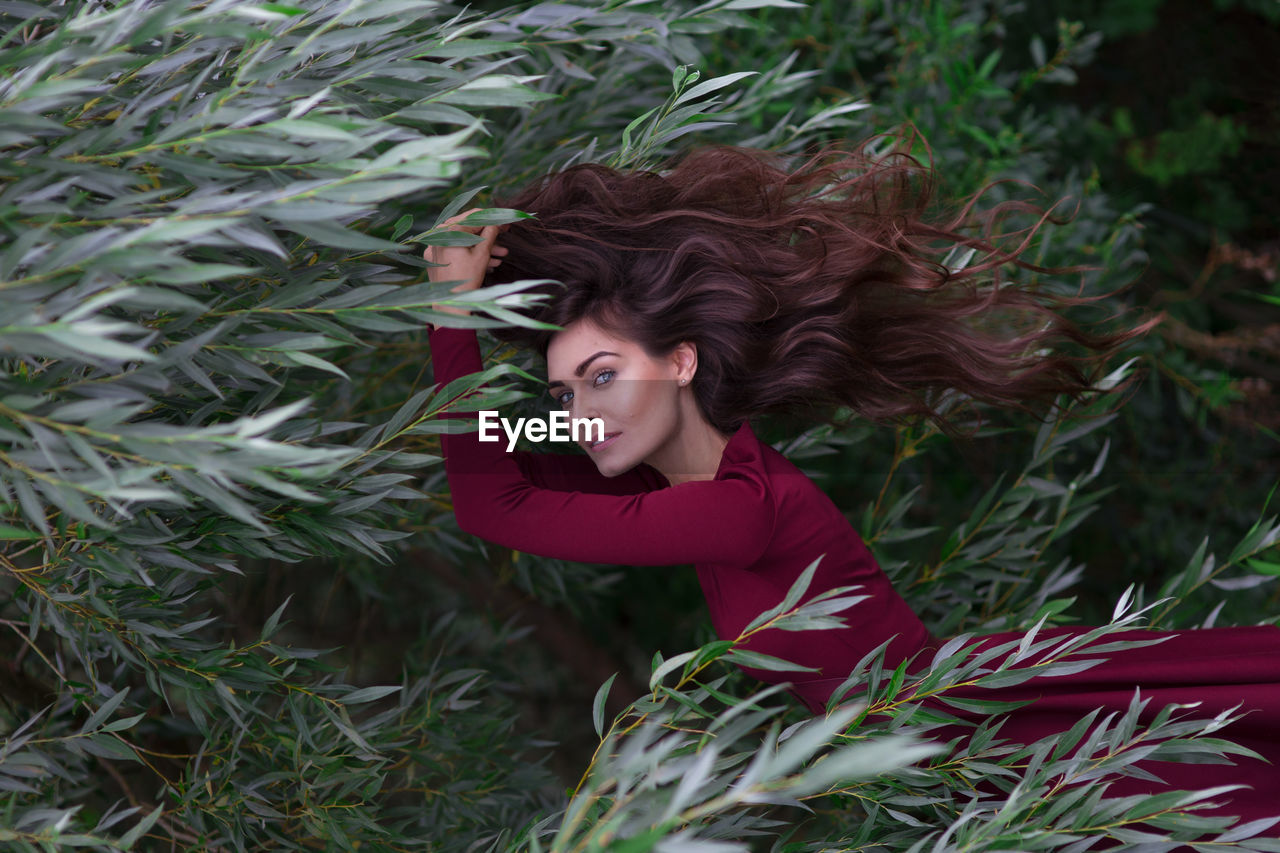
(581, 368)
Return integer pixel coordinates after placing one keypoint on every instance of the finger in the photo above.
(489, 234)
(499, 250)
(458, 217)
(453, 221)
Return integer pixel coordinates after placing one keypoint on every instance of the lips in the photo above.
(606, 441)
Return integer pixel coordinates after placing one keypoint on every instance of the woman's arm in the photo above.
(728, 520)
(566, 472)
(456, 352)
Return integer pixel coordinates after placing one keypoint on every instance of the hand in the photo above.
(468, 263)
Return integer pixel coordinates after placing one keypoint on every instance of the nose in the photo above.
(584, 411)
(588, 409)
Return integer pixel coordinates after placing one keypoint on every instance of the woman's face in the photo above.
(593, 374)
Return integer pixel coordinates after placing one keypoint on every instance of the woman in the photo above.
(732, 286)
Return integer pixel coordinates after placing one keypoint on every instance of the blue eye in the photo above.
(564, 397)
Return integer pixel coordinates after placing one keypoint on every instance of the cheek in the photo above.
(647, 399)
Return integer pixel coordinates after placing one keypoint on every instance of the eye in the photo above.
(603, 377)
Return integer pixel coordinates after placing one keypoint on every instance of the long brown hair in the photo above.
(806, 289)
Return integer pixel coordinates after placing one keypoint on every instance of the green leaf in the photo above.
(10, 532)
(495, 216)
(667, 666)
(597, 706)
(368, 694)
(106, 709)
(757, 660)
(797, 590)
(1263, 566)
(713, 85)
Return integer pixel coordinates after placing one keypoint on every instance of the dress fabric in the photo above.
(752, 530)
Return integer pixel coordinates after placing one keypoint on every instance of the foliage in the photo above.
(215, 423)
(1168, 203)
(679, 771)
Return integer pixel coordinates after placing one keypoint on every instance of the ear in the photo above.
(685, 360)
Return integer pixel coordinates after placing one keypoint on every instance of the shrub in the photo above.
(218, 456)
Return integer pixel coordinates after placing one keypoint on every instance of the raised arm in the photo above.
(727, 520)
(566, 472)
(456, 352)
(458, 355)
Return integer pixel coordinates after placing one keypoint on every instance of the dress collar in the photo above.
(743, 449)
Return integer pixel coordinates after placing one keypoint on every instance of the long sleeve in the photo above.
(456, 352)
(726, 520)
(565, 472)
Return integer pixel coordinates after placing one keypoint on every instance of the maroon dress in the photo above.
(752, 530)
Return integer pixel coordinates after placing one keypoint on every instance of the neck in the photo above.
(695, 452)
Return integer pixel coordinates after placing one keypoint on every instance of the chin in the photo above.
(609, 469)
(614, 467)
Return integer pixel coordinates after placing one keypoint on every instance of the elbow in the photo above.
(464, 522)
(470, 518)
(473, 526)
(479, 519)
(492, 515)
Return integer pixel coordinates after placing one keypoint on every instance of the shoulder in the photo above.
(773, 477)
(787, 487)
(747, 456)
